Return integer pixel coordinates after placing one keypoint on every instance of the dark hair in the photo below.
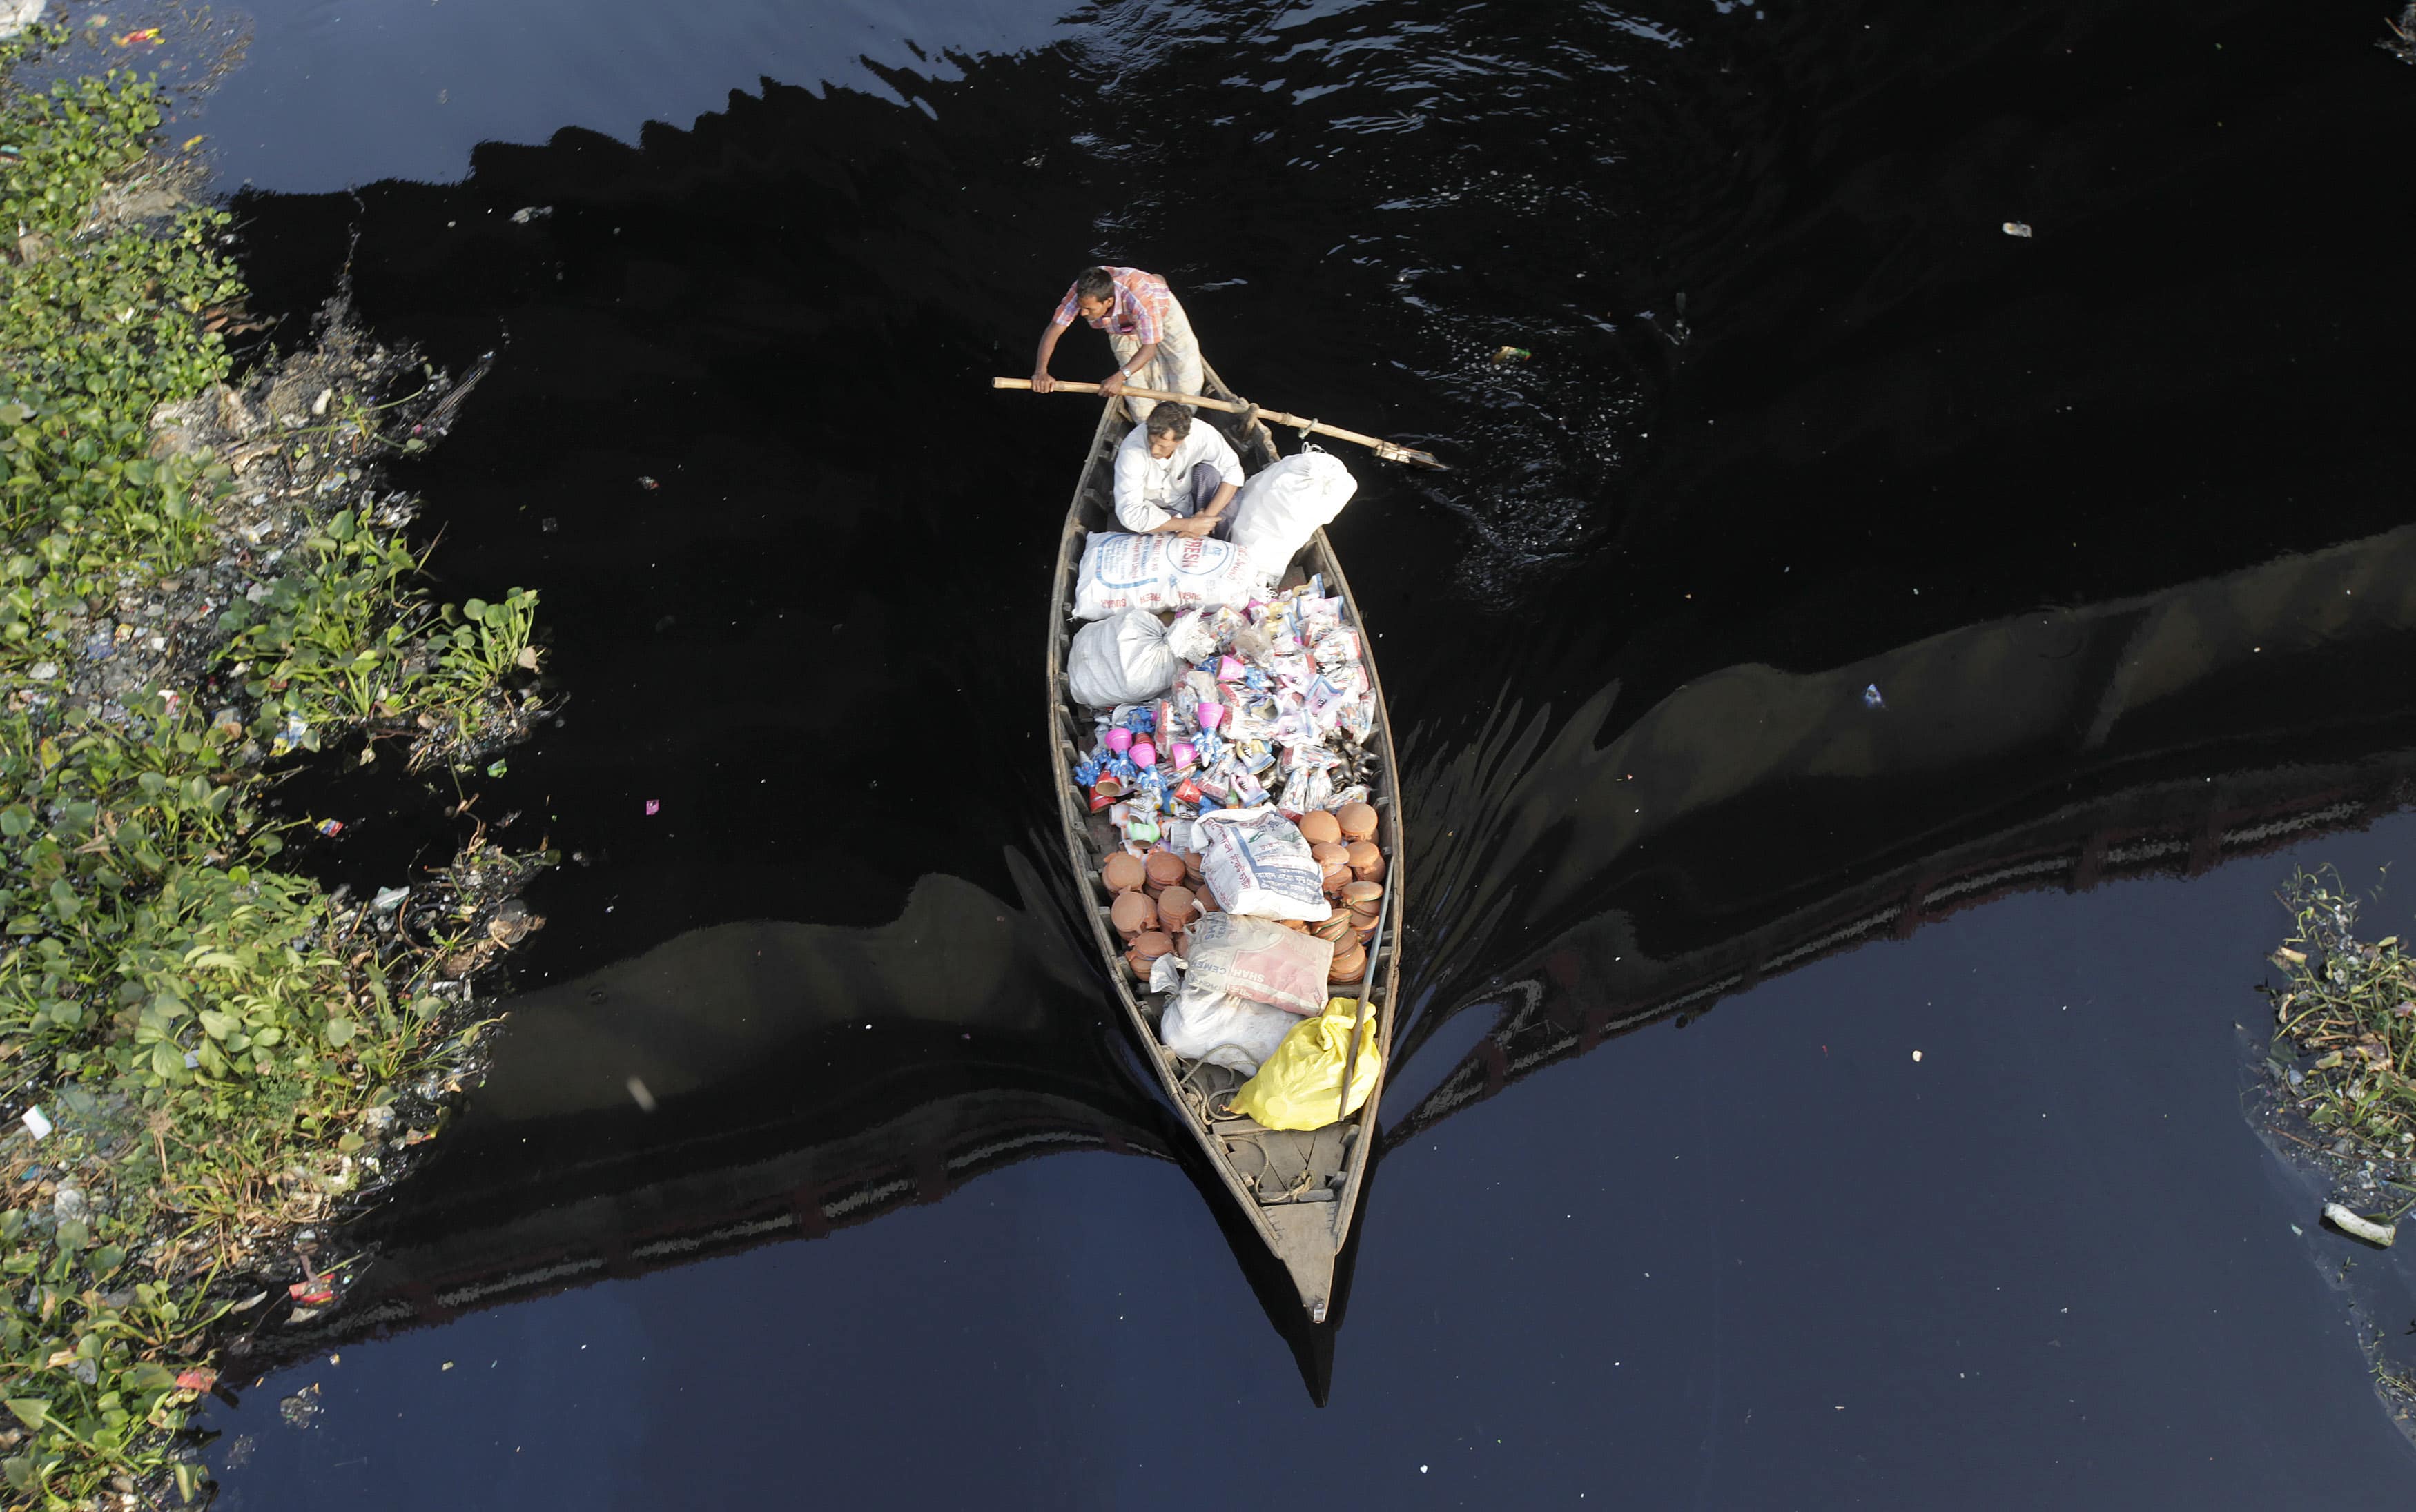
(1170, 420)
(1095, 283)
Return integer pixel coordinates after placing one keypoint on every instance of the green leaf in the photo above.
(64, 902)
(31, 1410)
(340, 1032)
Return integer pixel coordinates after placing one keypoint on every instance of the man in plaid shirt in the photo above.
(1145, 325)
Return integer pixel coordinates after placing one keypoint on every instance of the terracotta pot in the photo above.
(1337, 924)
(1131, 913)
(1164, 868)
(1366, 862)
(1363, 897)
(1123, 872)
(1334, 864)
(1358, 822)
(1318, 827)
(1145, 950)
(1174, 911)
(1349, 964)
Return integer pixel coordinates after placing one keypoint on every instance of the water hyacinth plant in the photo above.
(198, 1054)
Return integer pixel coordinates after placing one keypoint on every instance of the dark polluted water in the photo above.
(2112, 519)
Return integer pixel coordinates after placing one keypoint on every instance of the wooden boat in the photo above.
(1316, 1177)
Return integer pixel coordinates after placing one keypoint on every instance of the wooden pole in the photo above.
(1389, 451)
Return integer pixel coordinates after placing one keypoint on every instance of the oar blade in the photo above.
(1394, 452)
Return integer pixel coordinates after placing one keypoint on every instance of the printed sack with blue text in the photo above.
(1156, 572)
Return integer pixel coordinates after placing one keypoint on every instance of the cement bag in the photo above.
(1122, 659)
(1260, 960)
(1300, 1085)
(1222, 1029)
(1277, 511)
(1257, 863)
(1158, 571)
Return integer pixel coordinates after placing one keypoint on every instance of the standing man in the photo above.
(1175, 476)
(1145, 325)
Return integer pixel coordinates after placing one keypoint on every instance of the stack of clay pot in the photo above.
(1358, 908)
(1344, 845)
(1325, 837)
(1151, 904)
(1133, 912)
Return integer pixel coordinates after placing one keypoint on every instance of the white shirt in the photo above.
(1145, 485)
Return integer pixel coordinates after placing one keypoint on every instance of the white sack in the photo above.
(1277, 511)
(1257, 863)
(1119, 660)
(1124, 572)
(1222, 1029)
(1260, 960)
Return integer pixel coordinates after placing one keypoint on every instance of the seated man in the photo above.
(1174, 475)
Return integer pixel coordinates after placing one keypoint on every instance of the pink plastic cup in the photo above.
(1211, 715)
(1119, 739)
(1184, 755)
(1144, 754)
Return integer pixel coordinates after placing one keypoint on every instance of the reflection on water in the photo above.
(2061, 518)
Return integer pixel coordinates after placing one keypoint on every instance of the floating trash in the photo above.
(531, 212)
(2352, 1224)
(2019, 228)
(36, 1123)
(1871, 699)
(1504, 356)
(654, 806)
(330, 827)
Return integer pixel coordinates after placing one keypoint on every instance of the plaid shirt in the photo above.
(1136, 309)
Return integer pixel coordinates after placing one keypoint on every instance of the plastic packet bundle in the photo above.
(1336, 647)
(1311, 788)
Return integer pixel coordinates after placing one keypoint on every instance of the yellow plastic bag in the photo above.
(1300, 1084)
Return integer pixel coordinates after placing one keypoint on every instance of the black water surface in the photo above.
(2113, 517)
